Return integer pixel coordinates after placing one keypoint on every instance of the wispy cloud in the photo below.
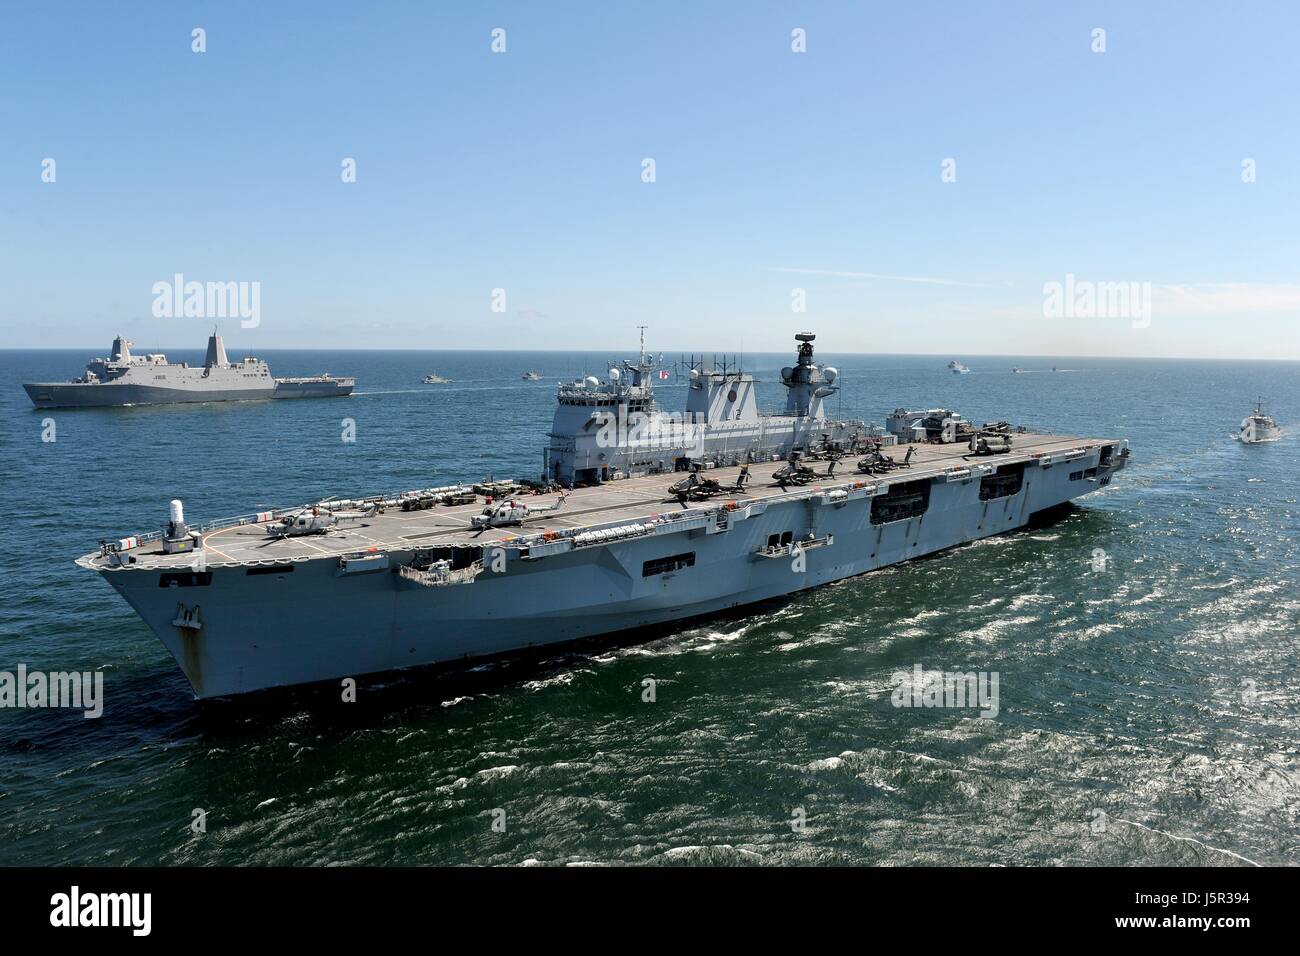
(1236, 298)
(925, 280)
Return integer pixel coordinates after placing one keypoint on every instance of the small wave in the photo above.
(811, 641)
(496, 773)
(995, 629)
(559, 680)
(926, 615)
(707, 854)
(826, 763)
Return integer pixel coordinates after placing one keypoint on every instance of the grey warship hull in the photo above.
(617, 557)
(126, 379)
(359, 586)
(105, 395)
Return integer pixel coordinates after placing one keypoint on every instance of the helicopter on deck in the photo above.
(506, 513)
(795, 472)
(315, 520)
(696, 488)
(876, 462)
(826, 448)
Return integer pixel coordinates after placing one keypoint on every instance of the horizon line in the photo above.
(1026, 355)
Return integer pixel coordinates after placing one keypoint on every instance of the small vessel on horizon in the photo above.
(957, 368)
(1017, 369)
(127, 379)
(1258, 427)
(434, 379)
(532, 376)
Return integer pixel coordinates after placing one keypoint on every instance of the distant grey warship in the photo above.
(1258, 427)
(640, 517)
(126, 379)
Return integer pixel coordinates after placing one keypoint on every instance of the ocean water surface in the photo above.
(1149, 707)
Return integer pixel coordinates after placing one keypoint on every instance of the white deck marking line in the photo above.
(213, 534)
(315, 547)
(378, 542)
(237, 527)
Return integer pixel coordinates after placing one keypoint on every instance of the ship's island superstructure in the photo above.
(127, 379)
(634, 522)
(614, 429)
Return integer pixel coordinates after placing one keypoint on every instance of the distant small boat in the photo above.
(532, 376)
(1258, 427)
(1017, 369)
(957, 368)
(432, 379)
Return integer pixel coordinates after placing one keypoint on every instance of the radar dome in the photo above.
(829, 373)
(591, 381)
(613, 375)
(786, 373)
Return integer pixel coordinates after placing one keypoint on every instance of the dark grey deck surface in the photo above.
(616, 501)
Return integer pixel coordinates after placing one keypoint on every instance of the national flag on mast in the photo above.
(663, 375)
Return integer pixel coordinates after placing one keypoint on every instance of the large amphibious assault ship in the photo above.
(640, 517)
(126, 379)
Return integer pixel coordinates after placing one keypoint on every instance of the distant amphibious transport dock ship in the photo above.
(126, 379)
(640, 517)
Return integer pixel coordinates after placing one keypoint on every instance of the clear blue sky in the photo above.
(775, 170)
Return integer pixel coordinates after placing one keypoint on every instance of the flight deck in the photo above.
(646, 498)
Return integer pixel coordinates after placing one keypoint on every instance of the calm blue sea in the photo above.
(1148, 712)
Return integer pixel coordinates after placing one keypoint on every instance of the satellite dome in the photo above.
(613, 375)
(786, 373)
(591, 381)
(829, 373)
